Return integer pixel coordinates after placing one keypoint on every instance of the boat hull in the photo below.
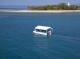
(39, 33)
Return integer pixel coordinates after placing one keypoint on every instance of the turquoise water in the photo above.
(18, 42)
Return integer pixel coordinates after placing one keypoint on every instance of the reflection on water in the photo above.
(41, 44)
(42, 36)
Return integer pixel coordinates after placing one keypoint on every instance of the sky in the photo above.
(34, 2)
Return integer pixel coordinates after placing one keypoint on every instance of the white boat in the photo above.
(43, 30)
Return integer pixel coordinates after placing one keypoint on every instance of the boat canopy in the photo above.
(42, 27)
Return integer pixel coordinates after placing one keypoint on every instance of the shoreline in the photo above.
(40, 11)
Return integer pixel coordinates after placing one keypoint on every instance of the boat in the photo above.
(43, 30)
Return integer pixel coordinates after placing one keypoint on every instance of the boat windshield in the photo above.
(39, 30)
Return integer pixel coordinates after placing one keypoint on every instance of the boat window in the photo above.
(49, 30)
(38, 30)
(41, 30)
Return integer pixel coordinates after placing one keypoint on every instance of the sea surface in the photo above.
(17, 40)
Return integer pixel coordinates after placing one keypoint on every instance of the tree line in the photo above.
(61, 6)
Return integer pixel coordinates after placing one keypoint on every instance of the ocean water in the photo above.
(18, 42)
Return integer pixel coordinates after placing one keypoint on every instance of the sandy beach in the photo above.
(41, 11)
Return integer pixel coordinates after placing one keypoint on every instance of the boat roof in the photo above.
(42, 27)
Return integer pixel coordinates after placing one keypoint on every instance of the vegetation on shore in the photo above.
(61, 6)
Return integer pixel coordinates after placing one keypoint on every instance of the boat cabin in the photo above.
(43, 30)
